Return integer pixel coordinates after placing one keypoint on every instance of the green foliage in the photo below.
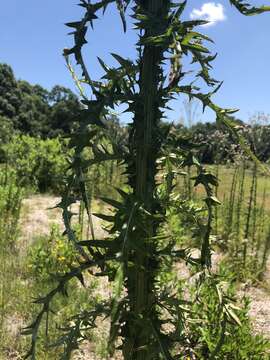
(64, 107)
(240, 228)
(6, 130)
(10, 207)
(10, 98)
(217, 146)
(247, 9)
(243, 227)
(10, 204)
(218, 339)
(33, 113)
(48, 260)
(38, 163)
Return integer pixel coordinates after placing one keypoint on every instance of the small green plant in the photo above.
(50, 256)
(216, 337)
(49, 259)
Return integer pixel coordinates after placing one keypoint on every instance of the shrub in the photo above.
(38, 163)
(10, 206)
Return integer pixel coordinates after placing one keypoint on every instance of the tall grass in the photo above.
(10, 207)
(239, 205)
(244, 223)
(230, 209)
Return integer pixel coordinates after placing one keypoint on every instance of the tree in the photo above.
(10, 95)
(217, 144)
(136, 248)
(25, 109)
(64, 105)
(34, 111)
(258, 133)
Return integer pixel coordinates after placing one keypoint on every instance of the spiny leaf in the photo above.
(123, 194)
(247, 9)
(181, 8)
(122, 8)
(104, 66)
(213, 200)
(81, 279)
(116, 204)
(108, 218)
(123, 62)
(160, 339)
(232, 314)
(105, 244)
(75, 24)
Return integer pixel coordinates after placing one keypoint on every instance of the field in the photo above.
(33, 248)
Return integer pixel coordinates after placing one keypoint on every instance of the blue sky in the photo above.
(32, 36)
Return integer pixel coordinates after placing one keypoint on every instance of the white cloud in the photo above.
(211, 12)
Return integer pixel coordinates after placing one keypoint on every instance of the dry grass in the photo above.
(260, 303)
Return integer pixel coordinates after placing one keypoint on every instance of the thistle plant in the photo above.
(251, 215)
(239, 204)
(231, 204)
(146, 319)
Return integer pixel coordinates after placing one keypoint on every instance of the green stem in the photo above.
(247, 228)
(140, 285)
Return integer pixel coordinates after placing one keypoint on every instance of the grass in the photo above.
(225, 176)
(11, 288)
(225, 180)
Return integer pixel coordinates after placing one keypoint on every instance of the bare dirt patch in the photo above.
(260, 304)
(260, 310)
(39, 214)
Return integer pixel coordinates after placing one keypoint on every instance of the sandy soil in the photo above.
(39, 214)
(260, 304)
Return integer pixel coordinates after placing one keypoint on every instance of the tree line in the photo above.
(218, 145)
(32, 110)
(35, 111)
